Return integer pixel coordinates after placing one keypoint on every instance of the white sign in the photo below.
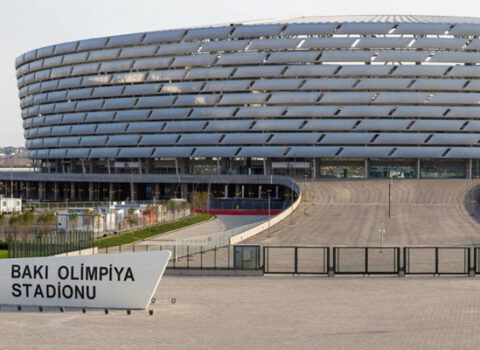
(124, 280)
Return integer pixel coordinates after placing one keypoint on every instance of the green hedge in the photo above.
(148, 232)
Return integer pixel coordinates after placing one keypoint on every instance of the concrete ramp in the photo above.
(423, 212)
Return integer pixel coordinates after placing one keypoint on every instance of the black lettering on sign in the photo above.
(129, 275)
(16, 291)
(38, 292)
(15, 271)
(63, 272)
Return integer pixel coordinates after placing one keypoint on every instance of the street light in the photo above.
(390, 198)
(269, 191)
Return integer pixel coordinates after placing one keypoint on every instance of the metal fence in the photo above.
(51, 244)
(296, 260)
(437, 260)
(366, 260)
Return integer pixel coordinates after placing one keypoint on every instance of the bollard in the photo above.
(401, 273)
(106, 311)
(19, 308)
(40, 309)
(84, 310)
(62, 309)
(150, 312)
(129, 311)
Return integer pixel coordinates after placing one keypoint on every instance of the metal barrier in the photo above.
(366, 260)
(437, 260)
(296, 260)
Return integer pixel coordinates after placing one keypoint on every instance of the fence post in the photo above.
(366, 261)
(401, 270)
(264, 259)
(471, 269)
(436, 261)
(201, 257)
(296, 260)
(215, 258)
(331, 268)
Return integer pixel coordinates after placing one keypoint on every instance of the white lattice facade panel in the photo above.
(366, 86)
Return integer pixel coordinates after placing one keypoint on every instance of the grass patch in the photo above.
(3, 254)
(138, 235)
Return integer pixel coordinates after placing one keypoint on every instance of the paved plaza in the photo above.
(280, 312)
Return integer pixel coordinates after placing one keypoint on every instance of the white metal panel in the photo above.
(195, 60)
(64, 48)
(111, 128)
(199, 139)
(218, 151)
(273, 44)
(293, 97)
(241, 58)
(148, 127)
(210, 73)
(141, 89)
(464, 152)
(85, 129)
(260, 112)
(57, 153)
(438, 84)
(92, 44)
(208, 33)
(293, 57)
(386, 43)
(178, 48)
(73, 118)
(474, 45)
(184, 126)
(96, 80)
(329, 124)
(365, 111)
(135, 152)
(93, 140)
(182, 87)
(169, 113)
(152, 63)
(162, 75)
(419, 111)
(347, 138)
(464, 112)
(419, 70)
(364, 28)
(383, 124)
(422, 28)
(164, 36)
(107, 91)
(68, 141)
(56, 130)
(197, 100)
(464, 71)
(272, 125)
(132, 115)
(365, 152)
(382, 84)
(245, 31)
(127, 78)
(419, 152)
(74, 58)
(78, 153)
(79, 94)
(310, 28)
(103, 55)
(138, 51)
(455, 98)
(125, 39)
(123, 140)
(258, 151)
(246, 98)
(258, 71)
(401, 138)
(103, 152)
(456, 57)
(105, 116)
(159, 139)
(346, 56)
(328, 43)
(119, 103)
(167, 152)
(434, 125)
(311, 70)
(245, 139)
(228, 125)
(276, 84)
(364, 69)
(50, 142)
(311, 111)
(312, 152)
(402, 56)
(465, 29)
(227, 85)
(299, 138)
(401, 97)
(439, 43)
(154, 101)
(347, 97)
(88, 105)
(454, 139)
(328, 84)
(212, 112)
(116, 66)
(228, 45)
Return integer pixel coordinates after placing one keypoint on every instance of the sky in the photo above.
(29, 24)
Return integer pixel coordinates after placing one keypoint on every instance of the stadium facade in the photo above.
(355, 96)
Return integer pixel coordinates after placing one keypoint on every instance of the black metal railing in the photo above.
(296, 259)
(366, 260)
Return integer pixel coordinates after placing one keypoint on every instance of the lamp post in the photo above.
(269, 191)
(390, 198)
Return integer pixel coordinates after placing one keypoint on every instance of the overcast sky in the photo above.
(28, 24)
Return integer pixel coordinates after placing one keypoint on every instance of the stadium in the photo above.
(231, 107)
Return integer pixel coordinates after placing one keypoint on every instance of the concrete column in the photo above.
(90, 191)
(243, 191)
(265, 171)
(314, 169)
(176, 166)
(259, 191)
(55, 191)
(226, 191)
(41, 189)
(111, 193)
(366, 168)
(27, 190)
(133, 188)
(72, 191)
(276, 192)
(469, 169)
(418, 169)
(219, 170)
(183, 191)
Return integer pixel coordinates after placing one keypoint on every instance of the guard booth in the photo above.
(247, 257)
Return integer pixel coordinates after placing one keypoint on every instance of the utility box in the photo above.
(10, 205)
(247, 257)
